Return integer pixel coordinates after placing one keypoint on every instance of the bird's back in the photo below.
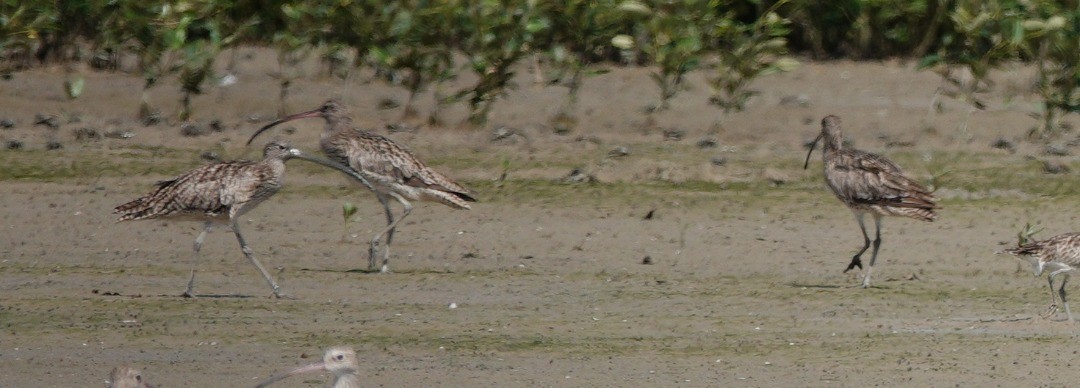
(389, 163)
(866, 181)
(205, 192)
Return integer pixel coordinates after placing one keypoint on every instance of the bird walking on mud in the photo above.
(1059, 255)
(339, 360)
(869, 183)
(125, 376)
(220, 193)
(391, 168)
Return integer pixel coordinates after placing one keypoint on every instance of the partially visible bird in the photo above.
(124, 376)
(391, 168)
(869, 183)
(219, 194)
(339, 360)
(1058, 255)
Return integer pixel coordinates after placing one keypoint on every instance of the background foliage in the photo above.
(418, 44)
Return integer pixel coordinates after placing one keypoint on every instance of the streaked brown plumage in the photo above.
(220, 193)
(339, 360)
(391, 169)
(125, 376)
(1059, 255)
(869, 183)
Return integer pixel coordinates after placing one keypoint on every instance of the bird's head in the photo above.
(332, 111)
(830, 131)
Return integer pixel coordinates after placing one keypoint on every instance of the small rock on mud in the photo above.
(1056, 150)
(674, 134)
(1004, 144)
(578, 175)
(50, 121)
(193, 130)
(618, 152)
(1055, 167)
(87, 133)
(210, 156)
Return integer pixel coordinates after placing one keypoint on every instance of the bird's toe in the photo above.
(854, 263)
(1050, 311)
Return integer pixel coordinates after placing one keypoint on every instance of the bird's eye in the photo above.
(138, 378)
(340, 357)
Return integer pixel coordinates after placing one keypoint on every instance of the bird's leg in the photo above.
(877, 244)
(1061, 292)
(390, 233)
(1053, 298)
(389, 228)
(190, 293)
(373, 250)
(855, 261)
(247, 253)
(389, 221)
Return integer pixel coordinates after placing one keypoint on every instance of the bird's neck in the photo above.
(334, 126)
(277, 167)
(833, 144)
(347, 381)
(338, 123)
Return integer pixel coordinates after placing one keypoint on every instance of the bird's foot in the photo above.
(384, 269)
(278, 293)
(373, 254)
(855, 262)
(1050, 311)
(189, 294)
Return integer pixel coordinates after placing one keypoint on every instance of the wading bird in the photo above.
(219, 194)
(125, 376)
(869, 183)
(1059, 255)
(391, 168)
(339, 360)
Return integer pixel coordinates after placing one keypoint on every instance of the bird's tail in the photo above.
(919, 213)
(453, 199)
(134, 210)
(143, 207)
(1022, 250)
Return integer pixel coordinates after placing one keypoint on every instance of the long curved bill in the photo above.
(296, 153)
(315, 367)
(812, 145)
(302, 115)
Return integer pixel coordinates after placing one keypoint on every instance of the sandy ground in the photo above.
(744, 285)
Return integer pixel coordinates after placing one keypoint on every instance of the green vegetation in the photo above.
(418, 44)
(982, 175)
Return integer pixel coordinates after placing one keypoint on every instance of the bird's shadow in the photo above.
(212, 296)
(178, 296)
(1006, 319)
(834, 286)
(354, 270)
(374, 271)
(804, 285)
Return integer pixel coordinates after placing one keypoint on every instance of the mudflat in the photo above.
(686, 249)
